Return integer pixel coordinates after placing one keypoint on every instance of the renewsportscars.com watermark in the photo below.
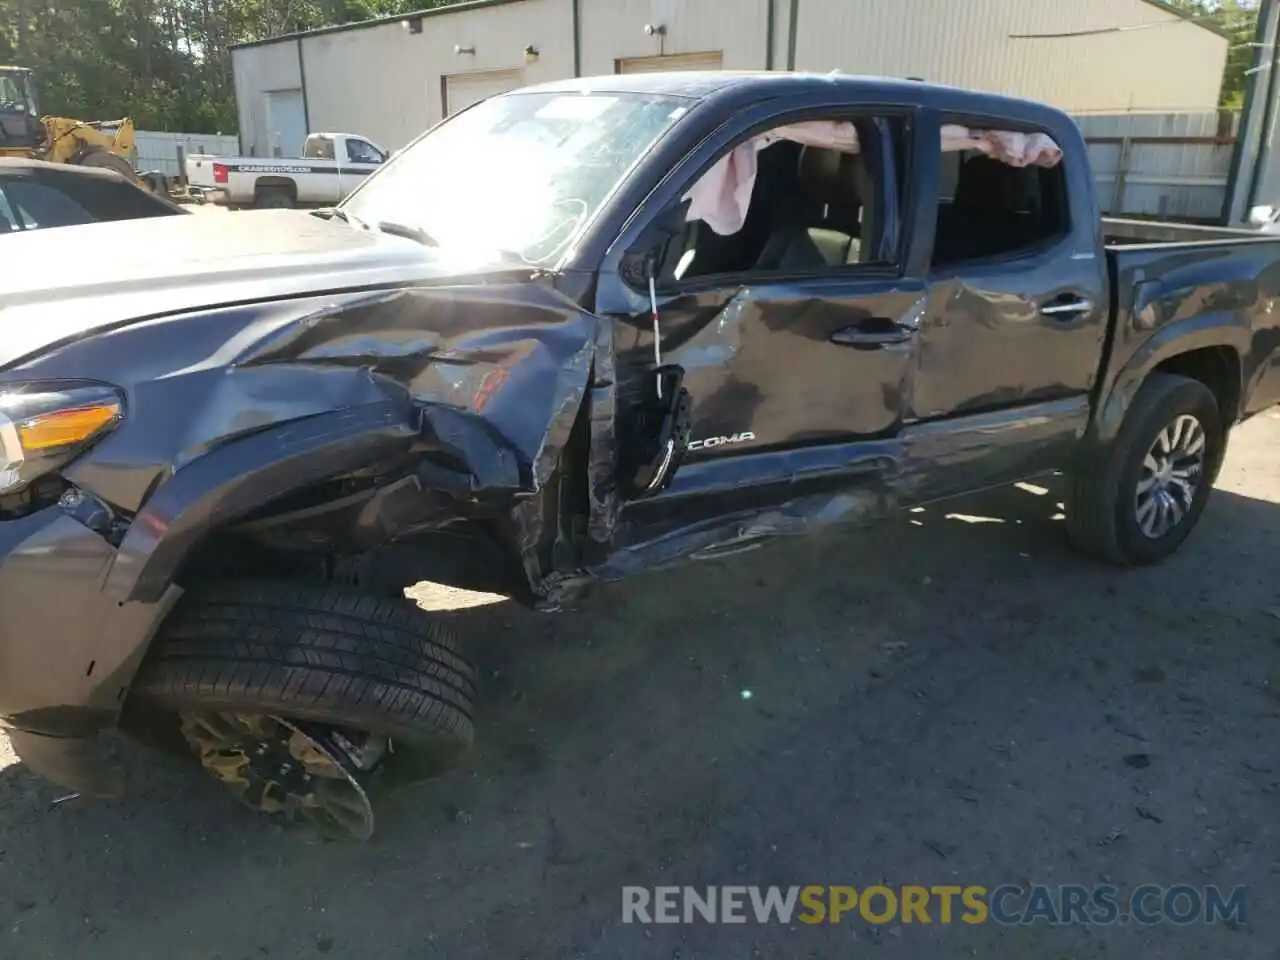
(1008, 904)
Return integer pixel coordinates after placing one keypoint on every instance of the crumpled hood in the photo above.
(58, 284)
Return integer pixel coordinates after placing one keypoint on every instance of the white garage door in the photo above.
(286, 123)
(711, 60)
(463, 89)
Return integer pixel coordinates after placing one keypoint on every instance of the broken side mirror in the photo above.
(655, 429)
(655, 434)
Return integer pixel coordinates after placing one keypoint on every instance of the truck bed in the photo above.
(1119, 232)
(1172, 280)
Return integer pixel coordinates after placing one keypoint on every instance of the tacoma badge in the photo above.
(712, 442)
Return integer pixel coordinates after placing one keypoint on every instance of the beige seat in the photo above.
(824, 227)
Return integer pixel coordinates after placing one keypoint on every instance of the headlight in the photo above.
(44, 425)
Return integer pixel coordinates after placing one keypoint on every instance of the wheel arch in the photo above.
(265, 183)
(234, 480)
(1206, 348)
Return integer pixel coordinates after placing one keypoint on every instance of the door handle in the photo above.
(881, 333)
(1066, 308)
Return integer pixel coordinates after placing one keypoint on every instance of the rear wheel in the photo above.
(273, 198)
(1136, 500)
(104, 160)
(295, 695)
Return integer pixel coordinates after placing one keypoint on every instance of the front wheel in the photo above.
(1137, 500)
(294, 695)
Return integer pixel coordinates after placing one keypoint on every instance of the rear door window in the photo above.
(993, 205)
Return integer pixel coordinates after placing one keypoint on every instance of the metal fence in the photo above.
(162, 151)
(1167, 165)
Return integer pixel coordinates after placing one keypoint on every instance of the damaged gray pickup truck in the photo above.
(572, 333)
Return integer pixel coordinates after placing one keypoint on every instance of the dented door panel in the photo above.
(985, 343)
(764, 370)
(798, 387)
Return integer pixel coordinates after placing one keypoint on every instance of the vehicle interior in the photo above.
(987, 208)
(811, 208)
(318, 148)
(814, 208)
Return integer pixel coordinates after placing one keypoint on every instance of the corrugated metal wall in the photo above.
(1173, 165)
(159, 151)
(968, 43)
(387, 82)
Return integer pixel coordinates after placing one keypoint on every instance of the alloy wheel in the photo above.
(1172, 473)
(277, 766)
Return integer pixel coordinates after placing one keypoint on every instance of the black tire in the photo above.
(331, 656)
(103, 160)
(273, 198)
(1101, 509)
(155, 182)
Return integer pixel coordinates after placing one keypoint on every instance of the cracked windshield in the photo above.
(526, 173)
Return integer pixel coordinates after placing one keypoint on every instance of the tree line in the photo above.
(1238, 19)
(167, 64)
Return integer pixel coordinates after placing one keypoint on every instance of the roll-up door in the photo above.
(461, 90)
(709, 60)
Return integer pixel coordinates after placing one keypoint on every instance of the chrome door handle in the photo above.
(870, 338)
(1066, 308)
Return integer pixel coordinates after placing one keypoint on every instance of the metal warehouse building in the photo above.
(390, 79)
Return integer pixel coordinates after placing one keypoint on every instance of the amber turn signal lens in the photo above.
(65, 428)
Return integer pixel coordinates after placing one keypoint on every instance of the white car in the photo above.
(330, 167)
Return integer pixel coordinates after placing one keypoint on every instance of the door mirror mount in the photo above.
(646, 256)
(659, 231)
(639, 265)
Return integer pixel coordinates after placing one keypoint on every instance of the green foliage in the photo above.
(1238, 19)
(164, 62)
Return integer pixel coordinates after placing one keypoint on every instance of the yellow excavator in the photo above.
(25, 133)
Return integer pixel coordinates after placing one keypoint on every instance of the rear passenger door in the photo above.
(1013, 331)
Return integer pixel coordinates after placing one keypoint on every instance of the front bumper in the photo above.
(68, 652)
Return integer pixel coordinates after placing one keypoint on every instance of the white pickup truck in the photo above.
(330, 167)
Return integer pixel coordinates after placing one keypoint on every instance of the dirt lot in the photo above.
(949, 701)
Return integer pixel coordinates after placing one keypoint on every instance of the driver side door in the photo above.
(797, 333)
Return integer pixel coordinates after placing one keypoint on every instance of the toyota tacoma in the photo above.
(572, 333)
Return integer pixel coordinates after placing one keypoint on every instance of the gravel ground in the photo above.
(956, 699)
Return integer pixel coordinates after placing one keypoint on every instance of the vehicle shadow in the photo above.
(624, 740)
